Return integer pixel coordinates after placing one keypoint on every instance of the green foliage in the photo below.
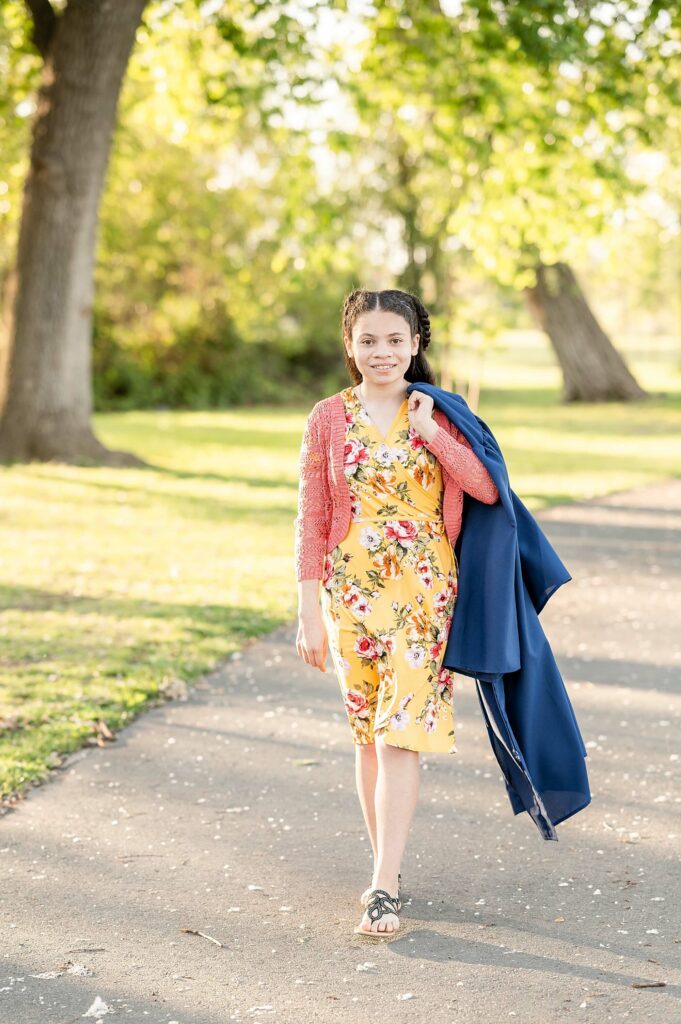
(221, 263)
(20, 75)
(262, 166)
(203, 368)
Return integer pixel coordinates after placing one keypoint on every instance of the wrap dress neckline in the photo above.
(396, 417)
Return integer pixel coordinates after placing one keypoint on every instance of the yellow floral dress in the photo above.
(389, 588)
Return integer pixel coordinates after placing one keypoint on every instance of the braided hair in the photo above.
(406, 305)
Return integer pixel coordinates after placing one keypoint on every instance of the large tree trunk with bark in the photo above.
(46, 390)
(593, 370)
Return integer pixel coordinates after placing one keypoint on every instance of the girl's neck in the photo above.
(388, 394)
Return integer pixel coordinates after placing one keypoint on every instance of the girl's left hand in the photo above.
(420, 409)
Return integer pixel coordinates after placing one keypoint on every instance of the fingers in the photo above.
(319, 656)
(316, 658)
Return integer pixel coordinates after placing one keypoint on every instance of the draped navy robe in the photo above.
(507, 572)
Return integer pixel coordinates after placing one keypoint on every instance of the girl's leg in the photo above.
(366, 773)
(397, 790)
(396, 796)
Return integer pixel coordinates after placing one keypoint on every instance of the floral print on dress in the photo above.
(389, 588)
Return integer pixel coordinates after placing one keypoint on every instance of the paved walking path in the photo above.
(234, 814)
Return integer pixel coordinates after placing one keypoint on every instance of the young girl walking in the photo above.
(379, 512)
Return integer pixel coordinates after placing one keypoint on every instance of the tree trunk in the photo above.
(593, 370)
(46, 390)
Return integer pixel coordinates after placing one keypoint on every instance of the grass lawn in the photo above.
(117, 583)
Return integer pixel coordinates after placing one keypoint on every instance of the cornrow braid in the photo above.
(423, 319)
(355, 303)
(393, 300)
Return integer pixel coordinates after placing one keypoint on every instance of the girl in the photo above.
(379, 512)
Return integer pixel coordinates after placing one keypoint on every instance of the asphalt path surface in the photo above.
(206, 866)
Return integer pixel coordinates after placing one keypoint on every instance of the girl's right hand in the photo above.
(312, 642)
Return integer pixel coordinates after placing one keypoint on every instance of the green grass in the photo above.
(116, 582)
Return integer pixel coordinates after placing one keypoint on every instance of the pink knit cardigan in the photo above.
(324, 499)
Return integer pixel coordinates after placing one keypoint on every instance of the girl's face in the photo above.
(382, 346)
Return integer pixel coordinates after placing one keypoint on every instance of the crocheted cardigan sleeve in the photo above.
(311, 525)
(455, 453)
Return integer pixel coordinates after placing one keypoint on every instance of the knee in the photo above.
(394, 750)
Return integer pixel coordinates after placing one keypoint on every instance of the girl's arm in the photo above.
(310, 523)
(310, 546)
(308, 597)
(456, 454)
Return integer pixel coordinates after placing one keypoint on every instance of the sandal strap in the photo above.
(367, 892)
(380, 903)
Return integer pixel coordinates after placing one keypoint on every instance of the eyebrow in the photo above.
(366, 334)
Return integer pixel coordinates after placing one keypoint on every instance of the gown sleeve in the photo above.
(455, 453)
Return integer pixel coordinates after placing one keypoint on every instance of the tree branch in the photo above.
(44, 21)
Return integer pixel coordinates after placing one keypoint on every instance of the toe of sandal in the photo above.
(379, 904)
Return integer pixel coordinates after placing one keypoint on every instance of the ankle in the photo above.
(387, 881)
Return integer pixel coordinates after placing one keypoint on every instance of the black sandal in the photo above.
(378, 905)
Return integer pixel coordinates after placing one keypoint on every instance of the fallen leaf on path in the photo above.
(173, 688)
(10, 724)
(103, 732)
(80, 969)
(67, 967)
(193, 931)
(98, 1009)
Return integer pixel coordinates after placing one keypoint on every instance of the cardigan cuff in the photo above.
(440, 441)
